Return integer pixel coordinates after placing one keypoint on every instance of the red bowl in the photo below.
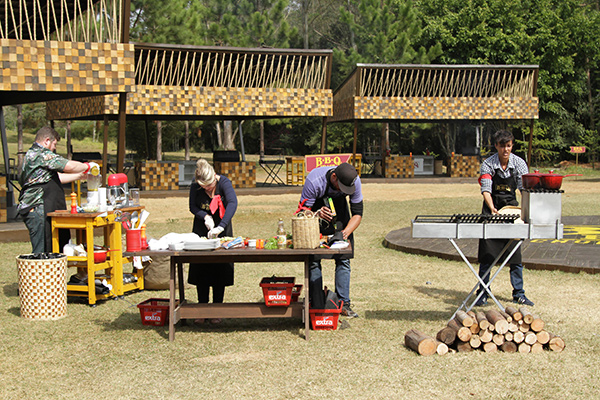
(100, 255)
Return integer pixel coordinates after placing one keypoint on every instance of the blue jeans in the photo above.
(35, 221)
(342, 278)
(516, 279)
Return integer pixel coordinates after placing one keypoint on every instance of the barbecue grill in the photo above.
(540, 220)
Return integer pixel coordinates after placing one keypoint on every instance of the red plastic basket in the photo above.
(155, 312)
(325, 319)
(277, 291)
(296, 290)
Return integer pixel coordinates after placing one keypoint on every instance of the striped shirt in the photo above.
(516, 166)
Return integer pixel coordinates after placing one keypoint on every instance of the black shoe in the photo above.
(522, 300)
(347, 311)
(481, 302)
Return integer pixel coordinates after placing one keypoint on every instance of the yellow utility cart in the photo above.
(111, 269)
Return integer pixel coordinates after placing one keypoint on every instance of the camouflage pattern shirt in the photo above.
(39, 166)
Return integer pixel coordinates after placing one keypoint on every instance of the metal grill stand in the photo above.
(483, 226)
(515, 243)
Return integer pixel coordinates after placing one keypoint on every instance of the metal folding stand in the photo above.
(506, 250)
(272, 168)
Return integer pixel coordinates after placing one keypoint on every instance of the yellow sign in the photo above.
(577, 149)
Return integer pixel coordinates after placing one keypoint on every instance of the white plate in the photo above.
(209, 244)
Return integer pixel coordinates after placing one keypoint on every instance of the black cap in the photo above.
(346, 175)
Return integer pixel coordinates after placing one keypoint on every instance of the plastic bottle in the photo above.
(281, 236)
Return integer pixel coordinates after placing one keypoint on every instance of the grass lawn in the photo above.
(106, 352)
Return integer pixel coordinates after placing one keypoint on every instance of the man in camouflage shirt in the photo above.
(41, 180)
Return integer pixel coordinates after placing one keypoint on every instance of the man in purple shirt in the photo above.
(335, 183)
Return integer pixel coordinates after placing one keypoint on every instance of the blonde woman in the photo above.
(213, 203)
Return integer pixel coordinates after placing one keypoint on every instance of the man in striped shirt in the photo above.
(501, 176)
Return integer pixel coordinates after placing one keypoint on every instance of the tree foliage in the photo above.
(561, 36)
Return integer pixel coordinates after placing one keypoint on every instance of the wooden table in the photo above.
(185, 310)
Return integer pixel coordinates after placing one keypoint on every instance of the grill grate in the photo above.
(541, 190)
(468, 218)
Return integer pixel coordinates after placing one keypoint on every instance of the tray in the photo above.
(208, 244)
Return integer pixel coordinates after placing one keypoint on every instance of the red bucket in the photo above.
(134, 240)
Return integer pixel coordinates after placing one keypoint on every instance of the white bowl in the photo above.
(176, 246)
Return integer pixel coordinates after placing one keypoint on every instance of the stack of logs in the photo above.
(512, 330)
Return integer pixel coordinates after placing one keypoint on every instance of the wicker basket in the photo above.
(305, 232)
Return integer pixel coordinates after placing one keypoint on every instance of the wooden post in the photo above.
(529, 150)
(324, 136)
(105, 151)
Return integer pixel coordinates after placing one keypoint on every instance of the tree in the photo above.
(561, 36)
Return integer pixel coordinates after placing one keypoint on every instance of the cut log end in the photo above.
(419, 342)
(556, 343)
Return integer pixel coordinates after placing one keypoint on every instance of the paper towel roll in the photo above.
(102, 196)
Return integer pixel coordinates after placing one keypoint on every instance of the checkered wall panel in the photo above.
(463, 166)
(52, 66)
(207, 101)
(397, 166)
(436, 108)
(241, 174)
(155, 175)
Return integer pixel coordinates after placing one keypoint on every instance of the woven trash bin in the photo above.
(43, 285)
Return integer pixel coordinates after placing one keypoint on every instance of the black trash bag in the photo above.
(332, 301)
(317, 295)
(324, 299)
(41, 256)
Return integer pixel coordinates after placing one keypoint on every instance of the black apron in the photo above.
(339, 222)
(504, 193)
(54, 199)
(216, 274)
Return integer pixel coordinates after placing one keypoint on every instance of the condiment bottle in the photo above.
(73, 203)
(143, 237)
(281, 236)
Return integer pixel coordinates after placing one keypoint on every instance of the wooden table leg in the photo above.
(172, 301)
(181, 287)
(306, 299)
